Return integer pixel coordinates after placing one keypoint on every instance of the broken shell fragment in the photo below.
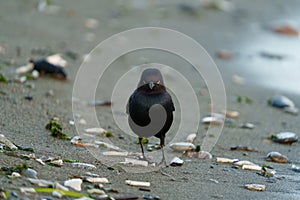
(287, 29)
(295, 168)
(182, 146)
(285, 137)
(277, 157)
(291, 110)
(7, 143)
(204, 155)
(176, 162)
(231, 114)
(243, 162)
(95, 191)
(136, 162)
(137, 183)
(83, 165)
(95, 130)
(96, 180)
(191, 137)
(15, 175)
(74, 184)
(212, 121)
(255, 187)
(247, 126)
(115, 153)
(252, 167)
(57, 60)
(226, 160)
(24, 69)
(280, 101)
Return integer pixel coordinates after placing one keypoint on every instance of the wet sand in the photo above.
(24, 121)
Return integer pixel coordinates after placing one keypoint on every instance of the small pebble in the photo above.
(182, 146)
(285, 137)
(280, 101)
(74, 184)
(277, 157)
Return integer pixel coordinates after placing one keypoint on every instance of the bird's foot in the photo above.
(163, 164)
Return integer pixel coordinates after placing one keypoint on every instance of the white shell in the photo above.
(226, 160)
(243, 162)
(83, 165)
(60, 187)
(96, 130)
(41, 182)
(27, 190)
(191, 137)
(136, 162)
(115, 153)
(56, 59)
(15, 175)
(57, 194)
(182, 146)
(212, 120)
(256, 187)
(24, 69)
(95, 191)
(96, 180)
(7, 143)
(252, 167)
(74, 184)
(176, 162)
(204, 155)
(137, 183)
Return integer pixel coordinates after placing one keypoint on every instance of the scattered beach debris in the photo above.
(137, 183)
(96, 180)
(96, 130)
(212, 121)
(243, 99)
(252, 167)
(231, 114)
(225, 54)
(284, 137)
(151, 197)
(176, 162)
(295, 168)
(91, 23)
(238, 79)
(226, 160)
(95, 191)
(99, 103)
(291, 110)
(271, 55)
(277, 157)
(3, 79)
(74, 183)
(267, 172)
(115, 153)
(242, 148)
(44, 67)
(247, 125)
(191, 137)
(83, 165)
(25, 69)
(136, 162)
(287, 29)
(182, 146)
(56, 129)
(255, 187)
(7, 143)
(30, 173)
(280, 101)
(223, 5)
(204, 155)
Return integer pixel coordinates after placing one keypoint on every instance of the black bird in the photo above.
(150, 108)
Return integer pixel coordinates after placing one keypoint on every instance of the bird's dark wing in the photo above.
(127, 106)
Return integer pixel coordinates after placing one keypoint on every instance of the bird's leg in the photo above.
(162, 144)
(141, 143)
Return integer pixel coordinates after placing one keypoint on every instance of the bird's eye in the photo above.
(158, 82)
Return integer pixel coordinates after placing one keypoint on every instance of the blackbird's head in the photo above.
(151, 78)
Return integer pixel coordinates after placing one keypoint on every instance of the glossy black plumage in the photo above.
(150, 91)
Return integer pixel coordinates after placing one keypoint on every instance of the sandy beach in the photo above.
(241, 27)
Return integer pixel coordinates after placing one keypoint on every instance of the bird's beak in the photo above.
(151, 85)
